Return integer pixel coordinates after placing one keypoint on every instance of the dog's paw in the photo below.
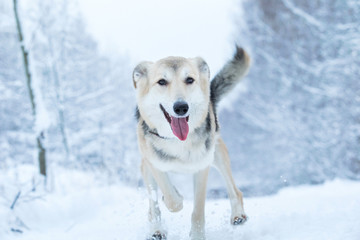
(158, 236)
(239, 220)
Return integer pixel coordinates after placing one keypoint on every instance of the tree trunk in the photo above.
(59, 100)
(40, 134)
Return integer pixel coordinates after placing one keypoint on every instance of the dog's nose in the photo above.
(181, 108)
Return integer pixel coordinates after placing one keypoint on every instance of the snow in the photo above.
(80, 207)
(311, 20)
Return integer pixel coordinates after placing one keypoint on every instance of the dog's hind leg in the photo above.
(172, 198)
(198, 215)
(222, 164)
(156, 229)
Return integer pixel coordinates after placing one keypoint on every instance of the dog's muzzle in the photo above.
(179, 125)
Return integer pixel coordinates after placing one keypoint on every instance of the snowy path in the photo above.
(329, 211)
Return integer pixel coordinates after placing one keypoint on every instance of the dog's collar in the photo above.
(147, 130)
(156, 134)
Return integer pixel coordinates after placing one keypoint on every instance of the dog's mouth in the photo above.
(179, 126)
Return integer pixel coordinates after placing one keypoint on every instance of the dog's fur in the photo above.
(186, 138)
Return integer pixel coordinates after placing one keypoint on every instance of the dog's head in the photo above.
(173, 94)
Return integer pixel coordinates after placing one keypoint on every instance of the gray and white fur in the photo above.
(229, 76)
(188, 142)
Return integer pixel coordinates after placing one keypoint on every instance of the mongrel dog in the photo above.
(178, 131)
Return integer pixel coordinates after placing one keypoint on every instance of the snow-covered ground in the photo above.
(80, 207)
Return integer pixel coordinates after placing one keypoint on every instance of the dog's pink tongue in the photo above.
(180, 127)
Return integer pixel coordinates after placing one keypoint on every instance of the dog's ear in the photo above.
(140, 73)
(203, 68)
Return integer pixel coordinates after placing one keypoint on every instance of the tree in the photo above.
(301, 112)
(25, 54)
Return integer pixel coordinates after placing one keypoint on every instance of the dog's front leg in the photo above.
(198, 215)
(222, 164)
(156, 229)
(172, 199)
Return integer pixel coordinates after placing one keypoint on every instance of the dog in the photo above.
(178, 131)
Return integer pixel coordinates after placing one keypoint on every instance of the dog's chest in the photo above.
(189, 156)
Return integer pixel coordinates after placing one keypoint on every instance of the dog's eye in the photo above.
(189, 80)
(162, 82)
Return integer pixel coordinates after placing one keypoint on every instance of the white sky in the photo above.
(153, 29)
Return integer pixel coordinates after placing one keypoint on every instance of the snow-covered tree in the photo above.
(34, 98)
(90, 123)
(16, 135)
(299, 120)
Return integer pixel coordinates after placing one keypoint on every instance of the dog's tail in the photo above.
(233, 71)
